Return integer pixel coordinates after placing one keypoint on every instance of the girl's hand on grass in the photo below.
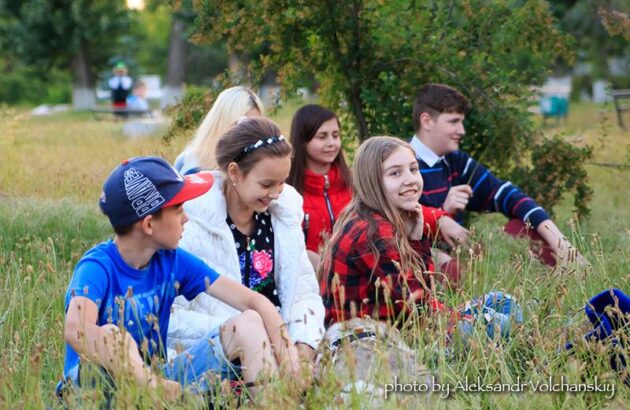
(453, 233)
(290, 364)
(307, 358)
(306, 352)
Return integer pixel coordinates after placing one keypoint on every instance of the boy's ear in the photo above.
(426, 121)
(147, 224)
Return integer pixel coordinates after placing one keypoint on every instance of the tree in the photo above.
(173, 89)
(181, 16)
(616, 22)
(78, 35)
(370, 54)
(594, 23)
(369, 57)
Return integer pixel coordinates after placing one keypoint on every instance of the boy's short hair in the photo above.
(126, 229)
(436, 99)
(142, 186)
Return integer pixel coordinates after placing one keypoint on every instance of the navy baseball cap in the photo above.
(142, 186)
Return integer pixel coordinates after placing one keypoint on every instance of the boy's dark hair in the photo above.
(436, 99)
(126, 229)
(248, 131)
(306, 121)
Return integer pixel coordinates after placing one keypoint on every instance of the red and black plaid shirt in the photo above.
(350, 288)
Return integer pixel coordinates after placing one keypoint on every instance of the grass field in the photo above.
(51, 169)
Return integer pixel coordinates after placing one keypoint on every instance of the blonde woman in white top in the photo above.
(231, 104)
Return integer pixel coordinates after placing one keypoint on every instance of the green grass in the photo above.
(51, 170)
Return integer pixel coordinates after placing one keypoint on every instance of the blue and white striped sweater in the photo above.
(490, 194)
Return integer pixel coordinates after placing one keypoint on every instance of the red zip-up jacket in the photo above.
(325, 196)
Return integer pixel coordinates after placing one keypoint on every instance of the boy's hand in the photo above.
(172, 390)
(457, 198)
(569, 256)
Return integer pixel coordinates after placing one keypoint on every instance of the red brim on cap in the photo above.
(194, 185)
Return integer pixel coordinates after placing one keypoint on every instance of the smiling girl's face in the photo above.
(263, 183)
(402, 180)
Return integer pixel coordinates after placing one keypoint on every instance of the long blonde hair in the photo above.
(369, 197)
(230, 105)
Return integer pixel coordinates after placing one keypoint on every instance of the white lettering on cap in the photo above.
(142, 194)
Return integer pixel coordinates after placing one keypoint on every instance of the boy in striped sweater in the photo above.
(455, 182)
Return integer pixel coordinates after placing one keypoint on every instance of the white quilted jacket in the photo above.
(208, 236)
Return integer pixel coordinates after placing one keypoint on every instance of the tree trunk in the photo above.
(176, 71)
(235, 64)
(356, 68)
(357, 107)
(83, 94)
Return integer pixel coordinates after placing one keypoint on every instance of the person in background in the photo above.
(120, 85)
(137, 100)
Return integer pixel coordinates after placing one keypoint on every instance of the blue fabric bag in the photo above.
(498, 310)
(609, 313)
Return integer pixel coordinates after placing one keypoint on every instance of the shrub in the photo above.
(189, 113)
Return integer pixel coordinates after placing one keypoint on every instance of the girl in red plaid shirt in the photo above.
(375, 263)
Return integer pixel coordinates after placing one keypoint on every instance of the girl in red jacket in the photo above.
(318, 172)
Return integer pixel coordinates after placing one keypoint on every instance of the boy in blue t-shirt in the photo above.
(120, 296)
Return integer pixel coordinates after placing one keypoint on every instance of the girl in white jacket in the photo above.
(248, 228)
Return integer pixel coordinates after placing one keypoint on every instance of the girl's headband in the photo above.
(258, 144)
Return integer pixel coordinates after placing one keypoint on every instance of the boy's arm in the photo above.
(241, 298)
(491, 194)
(108, 346)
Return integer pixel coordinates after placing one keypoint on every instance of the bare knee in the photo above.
(247, 324)
(246, 328)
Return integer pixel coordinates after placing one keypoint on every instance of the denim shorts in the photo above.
(203, 359)
(194, 368)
